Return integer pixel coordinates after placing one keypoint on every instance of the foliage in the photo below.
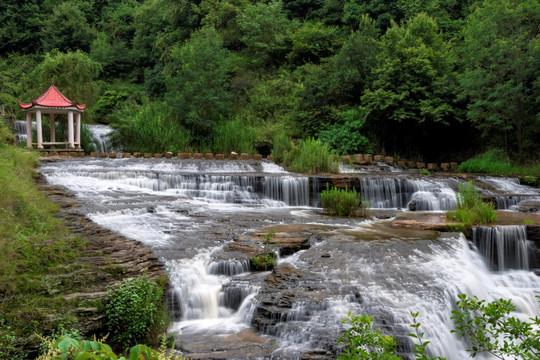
(340, 202)
(149, 131)
(412, 90)
(67, 29)
(346, 137)
(73, 73)
(68, 348)
(311, 156)
(363, 342)
(490, 328)
(495, 161)
(424, 171)
(234, 135)
(281, 146)
(133, 310)
(264, 31)
(198, 84)
(501, 52)
(263, 262)
(471, 210)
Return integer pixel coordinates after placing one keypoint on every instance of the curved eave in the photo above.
(53, 109)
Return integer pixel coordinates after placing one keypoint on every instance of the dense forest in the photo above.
(427, 79)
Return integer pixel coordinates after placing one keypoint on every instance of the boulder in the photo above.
(389, 160)
(158, 156)
(93, 154)
(209, 156)
(126, 155)
(270, 158)
(346, 159)
(112, 155)
(103, 155)
(244, 156)
(420, 165)
(147, 155)
(220, 157)
(445, 166)
(411, 164)
(234, 156)
(453, 165)
(378, 158)
(358, 158)
(432, 166)
(401, 164)
(257, 157)
(168, 154)
(137, 154)
(197, 156)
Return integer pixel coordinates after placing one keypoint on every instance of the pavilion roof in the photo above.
(52, 98)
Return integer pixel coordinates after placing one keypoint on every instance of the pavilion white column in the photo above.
(39, 130)
(78, 130)
(29, 130)
(51, 124)
(70, 130)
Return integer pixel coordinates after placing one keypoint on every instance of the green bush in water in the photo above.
(471, 210)
(341, 202)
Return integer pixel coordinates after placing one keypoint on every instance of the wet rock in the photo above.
(412, 205)
(529, 206)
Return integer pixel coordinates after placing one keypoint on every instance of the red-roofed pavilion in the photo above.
(53, 102)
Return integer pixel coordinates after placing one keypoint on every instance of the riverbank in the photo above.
(57, 265)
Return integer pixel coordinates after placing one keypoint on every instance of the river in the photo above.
(204, 217)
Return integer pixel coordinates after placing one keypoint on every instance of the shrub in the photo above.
(311, 156)
(346, 137)
(340, 202)
(424, 172)
(281, 146)
(69, 348)
(497, 162)
(471, 210)
(263, 262)
(133, 310)
(150, 131)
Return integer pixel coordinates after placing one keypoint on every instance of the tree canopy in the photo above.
(424, 79)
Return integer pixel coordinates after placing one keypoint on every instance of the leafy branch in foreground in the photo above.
(490, 328)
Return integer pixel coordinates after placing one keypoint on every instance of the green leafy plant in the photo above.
(424, 171)
(133, 310)
(471, 210)
(68, 348)
(267, 259)
(311, 156)
(363, 342)
(341, 202)
(234, 135)
(490, 328)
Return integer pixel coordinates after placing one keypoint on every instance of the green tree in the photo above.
(198, 83)
(20, 24)
(265, 33)
(313, 41)
(345, 135)
(413, 86)
(501, 60)
(72, 72)
(67, 29)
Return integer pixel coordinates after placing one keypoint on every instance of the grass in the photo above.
(342, 202)
(311, 156)
(234, 135)
(496, 161)
(471, 210)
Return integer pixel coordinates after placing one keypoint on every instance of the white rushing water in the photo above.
(189, 213)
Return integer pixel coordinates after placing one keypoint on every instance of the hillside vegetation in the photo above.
(425, 79)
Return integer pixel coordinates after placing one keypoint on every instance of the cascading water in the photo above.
(509, 192)
(416, 194)
(101, 137)
(504, 247)
(20, 131)
(189, 214)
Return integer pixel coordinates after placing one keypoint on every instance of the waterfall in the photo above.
(101, 137)
(20, 131)
(504, 247)
(415, 194)
(201, 219)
